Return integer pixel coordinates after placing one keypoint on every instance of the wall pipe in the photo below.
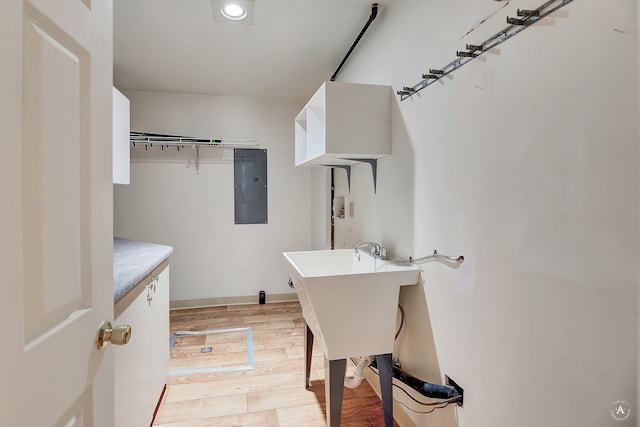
(374, 13)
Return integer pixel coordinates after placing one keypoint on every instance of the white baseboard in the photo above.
(211, 302)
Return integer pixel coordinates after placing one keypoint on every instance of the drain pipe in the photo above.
(356, 380)
(365, 361)
(374, 13)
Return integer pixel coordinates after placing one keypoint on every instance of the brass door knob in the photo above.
(119, 335)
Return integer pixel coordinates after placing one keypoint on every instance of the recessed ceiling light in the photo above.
(233, 11)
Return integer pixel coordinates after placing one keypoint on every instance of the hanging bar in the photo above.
(475, 50)
(166, 141)
(173, 140)
(185, 143)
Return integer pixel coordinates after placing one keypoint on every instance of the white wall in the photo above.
(526, 161)
(171, 203)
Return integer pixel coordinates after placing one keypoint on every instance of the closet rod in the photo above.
(187, 142)
(144, 138)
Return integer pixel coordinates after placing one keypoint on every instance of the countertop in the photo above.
(133, 261)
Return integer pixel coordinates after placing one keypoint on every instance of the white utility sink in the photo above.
(349, 304)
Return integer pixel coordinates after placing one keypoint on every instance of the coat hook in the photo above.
(466, 54)
(516, 21)
(408, 89)
(473, 47)
(404, 93)
(525, 12)
(434, 71)
(430, 76)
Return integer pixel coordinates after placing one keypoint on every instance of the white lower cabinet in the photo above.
(142, 366)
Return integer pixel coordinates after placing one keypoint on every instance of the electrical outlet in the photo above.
(450, 382)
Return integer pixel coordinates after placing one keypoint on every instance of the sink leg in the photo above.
(385, 367)
(308, 352)
(334, 371)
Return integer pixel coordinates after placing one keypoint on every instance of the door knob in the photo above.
(119, 335)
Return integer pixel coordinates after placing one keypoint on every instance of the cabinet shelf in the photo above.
(344, 123)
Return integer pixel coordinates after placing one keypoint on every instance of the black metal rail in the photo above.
(374, 13)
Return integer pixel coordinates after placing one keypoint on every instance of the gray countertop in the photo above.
(133, 261)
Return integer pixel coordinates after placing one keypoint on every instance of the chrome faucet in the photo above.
(376, 250)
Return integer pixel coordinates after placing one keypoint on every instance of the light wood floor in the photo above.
(273, 393)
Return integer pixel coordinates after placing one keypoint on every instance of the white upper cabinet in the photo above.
(121, 123)
(344, 121)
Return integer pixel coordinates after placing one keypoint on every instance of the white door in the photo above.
(55, 212)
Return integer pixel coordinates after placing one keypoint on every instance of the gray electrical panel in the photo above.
(250, 185)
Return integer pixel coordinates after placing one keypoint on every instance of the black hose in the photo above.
(401, 321)
(435, 391)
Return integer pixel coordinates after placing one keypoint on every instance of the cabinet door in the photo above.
(160, 309)
(142, 366)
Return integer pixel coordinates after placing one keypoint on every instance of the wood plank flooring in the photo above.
(272, 394)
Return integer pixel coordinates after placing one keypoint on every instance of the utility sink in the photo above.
(349, 301)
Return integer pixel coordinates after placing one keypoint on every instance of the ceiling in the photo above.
(291, 48)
